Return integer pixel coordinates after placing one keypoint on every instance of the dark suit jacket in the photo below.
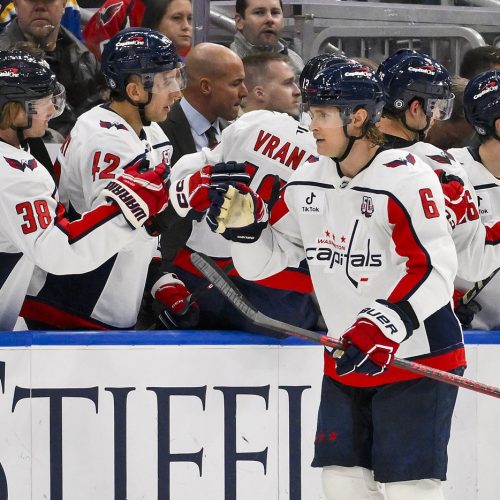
(176, 231)
(177, 129)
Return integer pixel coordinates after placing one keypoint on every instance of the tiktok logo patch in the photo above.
(314, 202)
(310, 199)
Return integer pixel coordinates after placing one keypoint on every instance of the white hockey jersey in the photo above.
(34, 231)
(486, 190)
(379, 235)
(270, 144)
(99, 147)
(477, 246)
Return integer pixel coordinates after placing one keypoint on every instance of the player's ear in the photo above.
(414, 106)
(359, 118)
(134, 89)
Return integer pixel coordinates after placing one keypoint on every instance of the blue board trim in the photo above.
(173, 337)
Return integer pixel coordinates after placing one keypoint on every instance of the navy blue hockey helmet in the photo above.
(137, 51)
(482, 102)
(315, 65)
(24, 78)
(348, 87)
(407, 74)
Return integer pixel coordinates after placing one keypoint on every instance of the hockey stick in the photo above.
(214, 274)
(474, 291)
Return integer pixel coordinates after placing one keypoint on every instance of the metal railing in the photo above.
(374, 29)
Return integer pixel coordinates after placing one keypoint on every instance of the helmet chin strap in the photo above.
(420, 132)
(23, 141)
(350, 144)
(141, 107)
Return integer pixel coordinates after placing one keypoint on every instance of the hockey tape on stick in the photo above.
(216, 276)
(477, 287)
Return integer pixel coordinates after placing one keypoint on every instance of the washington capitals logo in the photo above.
(486, 88)
(109, 12)
(118, 126)
(428, 69)
(21, 165)
(409, 160)
(443, 158)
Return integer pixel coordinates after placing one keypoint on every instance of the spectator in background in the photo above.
(173, 18)
(259, 24)
(71, 18)
(270, 81)
(478, 60)
(76, 68)
(455, 132)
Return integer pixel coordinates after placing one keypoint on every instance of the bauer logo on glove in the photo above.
(139, 195)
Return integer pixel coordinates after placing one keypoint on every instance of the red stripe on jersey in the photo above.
(446, 362)
(290, 279)
(418, 265)
(279, 210)
(89, 221)
(57, 318)
(492, 233)
(57, 171)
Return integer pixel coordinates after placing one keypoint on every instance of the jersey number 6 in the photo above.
(428, 203)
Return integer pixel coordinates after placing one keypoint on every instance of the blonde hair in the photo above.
(9, 114)
(374, 135)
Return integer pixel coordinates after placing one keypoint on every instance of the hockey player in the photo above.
(272, 145)
(417, 90)
(34, 229)
(371, 223)
(482, 165)
(141, 68)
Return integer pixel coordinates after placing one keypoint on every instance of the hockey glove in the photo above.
(191, 195)
(174, 304)
(454, 196)
(238, 213)
(370, 343)
(139, 194)
(465, 312)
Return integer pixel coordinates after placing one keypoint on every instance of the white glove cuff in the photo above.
(166, 279)
(388, 321)
(133, 207)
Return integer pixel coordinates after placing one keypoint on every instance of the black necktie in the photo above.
(211, 134)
